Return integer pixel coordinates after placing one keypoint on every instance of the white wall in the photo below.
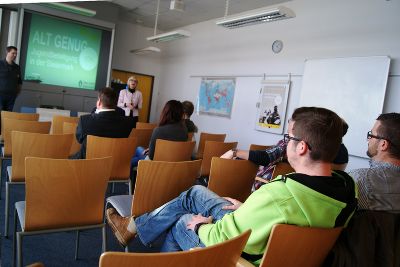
(321, 29)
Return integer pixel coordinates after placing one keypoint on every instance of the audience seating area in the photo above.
(69, 196)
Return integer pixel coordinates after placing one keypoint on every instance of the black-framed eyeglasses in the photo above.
(370, 135)
(287, 138)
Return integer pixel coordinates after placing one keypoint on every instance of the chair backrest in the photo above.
(232, 178)
(36, 145)
(291, 245)
(18, 116)
(158, 182)
(120, 149)
(145, 125)
(282, 168)
(142, 136)
(22, 126)
(58, 123)
(258, 147)
(63, 193)
(208, 137)
(214, 149)
(173, 150)
(223, 254)
(70, 128)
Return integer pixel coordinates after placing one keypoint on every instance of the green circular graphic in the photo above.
(88, 59)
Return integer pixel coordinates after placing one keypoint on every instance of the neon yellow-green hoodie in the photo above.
(282, 201)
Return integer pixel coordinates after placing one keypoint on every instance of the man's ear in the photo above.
(302, 148)
(384, 145)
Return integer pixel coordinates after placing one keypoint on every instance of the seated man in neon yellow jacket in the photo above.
(312, 196)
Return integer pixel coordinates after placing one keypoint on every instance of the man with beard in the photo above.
(379, 185)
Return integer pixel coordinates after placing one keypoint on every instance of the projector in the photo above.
(177, 5)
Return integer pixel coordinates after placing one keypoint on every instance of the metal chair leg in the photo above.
(104, 232)
(19, 249)
(130, 187)
(77, 245)
(112, 188)
(14, 238)
(6, 210)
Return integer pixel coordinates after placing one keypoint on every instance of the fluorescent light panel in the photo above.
(256, 16)
(169, 36)
(71, 9)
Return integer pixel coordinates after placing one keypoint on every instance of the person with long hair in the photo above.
(170, 127)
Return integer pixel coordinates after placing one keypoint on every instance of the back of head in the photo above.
(321, 128)
(389, 129)
(108, 97)
(188, 108)
(171, 113)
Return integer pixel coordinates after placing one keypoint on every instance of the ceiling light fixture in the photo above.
(146, 50)
(71, 9)
(167, 36)
(256, 16)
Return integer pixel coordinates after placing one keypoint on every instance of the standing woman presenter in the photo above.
(130, 99)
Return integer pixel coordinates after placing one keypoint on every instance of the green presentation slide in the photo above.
(62, 53)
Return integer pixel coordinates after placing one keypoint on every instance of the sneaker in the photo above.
(120, 225)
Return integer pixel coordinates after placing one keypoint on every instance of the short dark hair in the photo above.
(108, 97)
(9, 48)
(321, 128)
(188, 108)
(171, 113)
(390, 130)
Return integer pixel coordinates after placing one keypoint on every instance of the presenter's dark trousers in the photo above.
(135, 119)
(7, 102)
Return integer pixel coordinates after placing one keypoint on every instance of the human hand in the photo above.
(235, 204)
(227, 155)
(146, 151)
(196, 219)
(129, 105)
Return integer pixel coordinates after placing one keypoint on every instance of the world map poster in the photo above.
(216, 96)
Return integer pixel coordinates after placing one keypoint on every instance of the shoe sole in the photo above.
(119, 237)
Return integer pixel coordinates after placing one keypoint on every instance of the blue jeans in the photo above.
(138, 156)
(172, 218)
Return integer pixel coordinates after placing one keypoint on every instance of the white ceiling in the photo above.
(143, 11)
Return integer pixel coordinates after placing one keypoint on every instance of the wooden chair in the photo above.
(18, 125)
(173, 150)
(70, 128)
(146, 125)
(292, 246)
(120, 149)
(142, 136)
(17, 116)
(232, 178)
(208, 137)
(58, 123)
(282, 168)
(214, 149)
(165, 180)
(23, 126)
(61, 195)
(32, 145)
(259, 147)
(223, 254)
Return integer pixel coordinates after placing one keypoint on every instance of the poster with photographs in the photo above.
(272, 106)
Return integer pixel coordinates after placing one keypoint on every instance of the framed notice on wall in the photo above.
(272, 104)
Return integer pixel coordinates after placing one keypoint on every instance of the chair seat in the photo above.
(20, 207)
(122, 203)
(9, 172)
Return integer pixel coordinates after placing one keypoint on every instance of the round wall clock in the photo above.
(277, 46)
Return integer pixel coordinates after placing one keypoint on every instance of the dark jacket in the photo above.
(104, 124)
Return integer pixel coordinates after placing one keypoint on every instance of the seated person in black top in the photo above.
(104, 122)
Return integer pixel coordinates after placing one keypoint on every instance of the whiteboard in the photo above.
(353, 87)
